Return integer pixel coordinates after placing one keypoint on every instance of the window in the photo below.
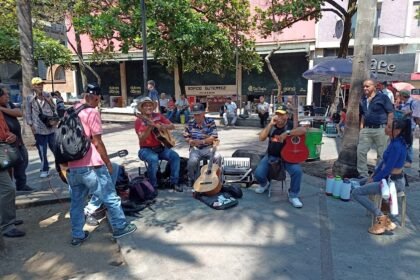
(393, 49)
(330, 52)
(378, 50)
(60, 74)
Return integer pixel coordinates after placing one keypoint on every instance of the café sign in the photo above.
(213, 90)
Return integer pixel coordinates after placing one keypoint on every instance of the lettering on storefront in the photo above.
(257, 89)
(114, 90)
(382, 67)
(135, 90)
(216, 90)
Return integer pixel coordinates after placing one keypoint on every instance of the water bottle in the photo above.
(345, 190)
(329, 186)
(337, 187)
(393, 201)
(384, 189)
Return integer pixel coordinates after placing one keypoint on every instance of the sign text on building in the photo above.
(210, 90)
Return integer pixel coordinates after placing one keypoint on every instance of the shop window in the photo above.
(393, 49)
(350, 51)
(330, 52)
(60, 74)
(417, 11)
(378, 50)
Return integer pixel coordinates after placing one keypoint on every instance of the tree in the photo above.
(282, 14)
(346, 165)
(200, 36)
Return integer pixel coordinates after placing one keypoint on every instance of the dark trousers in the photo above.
(42, 142)
(19, 171)
(263, 119)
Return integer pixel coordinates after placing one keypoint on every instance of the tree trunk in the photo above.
(180, 75)
(343, 50)
(23, 9)
(273, 73)
(82, 67)
(346, 165)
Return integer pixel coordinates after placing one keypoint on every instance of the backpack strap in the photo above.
(81, 108)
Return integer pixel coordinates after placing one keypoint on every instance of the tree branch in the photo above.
(337, 6)
(334, 11)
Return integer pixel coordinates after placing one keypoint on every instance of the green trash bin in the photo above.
(313, 141)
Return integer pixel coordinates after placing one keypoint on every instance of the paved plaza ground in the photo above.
(261, 238)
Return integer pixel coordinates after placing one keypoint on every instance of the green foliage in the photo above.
(45, 48)
(51, 51)
(203, 34)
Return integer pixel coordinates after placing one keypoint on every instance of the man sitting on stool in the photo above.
(151, 150)
(277, 131)
(200, 133)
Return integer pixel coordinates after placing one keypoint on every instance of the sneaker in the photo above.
(129, 228)
(90, 220)
(260, 189)
(295, 201)
(78, 241)
(14, 233)
(43, 174)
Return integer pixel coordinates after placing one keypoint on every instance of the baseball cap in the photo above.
(405, 93)
(37, 81)
(197, 108)
(95, 89)
(282, 109)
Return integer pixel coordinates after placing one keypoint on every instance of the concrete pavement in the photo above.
(261, 238)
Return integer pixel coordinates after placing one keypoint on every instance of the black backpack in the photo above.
(71, 142)
(140, 190)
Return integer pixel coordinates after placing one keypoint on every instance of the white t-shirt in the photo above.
(389, 93)
(231, 108)
(263, 107)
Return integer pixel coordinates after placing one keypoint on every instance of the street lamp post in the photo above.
(143, 35)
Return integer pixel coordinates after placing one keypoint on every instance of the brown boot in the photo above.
(380, 225)
(390, 226)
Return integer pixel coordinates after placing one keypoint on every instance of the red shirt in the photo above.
(140, 126)
(343, 117)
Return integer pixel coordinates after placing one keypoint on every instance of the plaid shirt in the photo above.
(195, 132)
(33, 111)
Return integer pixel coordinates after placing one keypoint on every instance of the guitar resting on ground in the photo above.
(209, 182)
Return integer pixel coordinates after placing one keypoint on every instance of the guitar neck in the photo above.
(295, 111)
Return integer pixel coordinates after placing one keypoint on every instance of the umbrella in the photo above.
(402, 86)
(337, 67)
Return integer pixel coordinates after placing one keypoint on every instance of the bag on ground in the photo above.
(141, 190)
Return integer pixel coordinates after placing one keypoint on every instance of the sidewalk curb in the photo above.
(29, 204)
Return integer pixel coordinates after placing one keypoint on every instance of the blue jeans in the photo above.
(19, 171)
(185, 113)
(94, 202)
(170, 115)
(294, 170)
(152, 160)
(41, 142)
(84, 180)
(362, 193)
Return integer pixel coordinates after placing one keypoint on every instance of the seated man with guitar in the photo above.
(156, 142)
(277, 131)
(201, 134)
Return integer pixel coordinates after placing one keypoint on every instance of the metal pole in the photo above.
(143, 35)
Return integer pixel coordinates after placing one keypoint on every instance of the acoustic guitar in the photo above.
(62, 167)
(209, 182)
(164, 136)
(294, 149)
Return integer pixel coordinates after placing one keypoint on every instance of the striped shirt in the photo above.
(195, 132)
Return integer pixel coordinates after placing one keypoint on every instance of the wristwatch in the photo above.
(288, 132)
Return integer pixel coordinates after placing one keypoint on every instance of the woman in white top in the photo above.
(163, 102)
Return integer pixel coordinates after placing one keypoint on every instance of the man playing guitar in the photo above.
(151, 149)
(200, 133)
(277, 131)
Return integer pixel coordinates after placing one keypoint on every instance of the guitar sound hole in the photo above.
(295, 140)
